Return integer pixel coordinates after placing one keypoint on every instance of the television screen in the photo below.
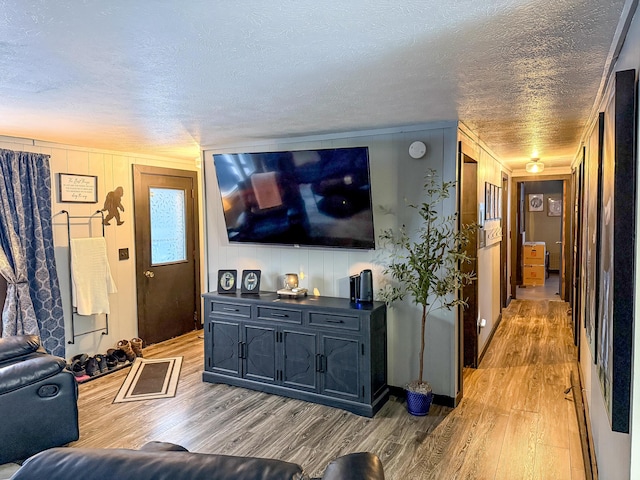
(306, 198)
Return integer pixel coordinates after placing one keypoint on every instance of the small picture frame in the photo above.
(536, 202)
(250, 283)
(78, 188)
(227, 281)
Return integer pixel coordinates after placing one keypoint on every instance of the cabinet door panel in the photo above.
(260, 351)
(341, 376)
(225, 339)
(299, 369)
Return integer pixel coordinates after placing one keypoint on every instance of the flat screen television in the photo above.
(319, 198)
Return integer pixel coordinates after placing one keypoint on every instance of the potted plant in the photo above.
(425, 265)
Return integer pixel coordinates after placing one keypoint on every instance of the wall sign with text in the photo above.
(78, 188)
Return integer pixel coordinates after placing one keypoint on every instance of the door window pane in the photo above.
(168, 225)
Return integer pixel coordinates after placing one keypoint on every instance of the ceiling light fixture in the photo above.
(534, 166)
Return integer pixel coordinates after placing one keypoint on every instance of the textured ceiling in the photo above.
(167, 77)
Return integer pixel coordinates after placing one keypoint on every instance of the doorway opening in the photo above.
(541, 265)
(469, 215)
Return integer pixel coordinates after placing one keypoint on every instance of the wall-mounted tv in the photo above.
(316, 198)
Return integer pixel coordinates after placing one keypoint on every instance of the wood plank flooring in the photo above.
(514, 421)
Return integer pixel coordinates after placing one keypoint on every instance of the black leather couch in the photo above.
(38, 399)
(166, 461)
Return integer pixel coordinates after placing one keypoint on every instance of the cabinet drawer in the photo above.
(335, 321)
(280, 314)
(231, 309)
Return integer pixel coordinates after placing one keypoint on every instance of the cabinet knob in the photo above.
(149, 274)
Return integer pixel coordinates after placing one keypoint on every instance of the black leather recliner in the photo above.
(38, 399)
(167, 461)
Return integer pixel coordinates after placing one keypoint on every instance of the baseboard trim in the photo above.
(488, 342)
(584, 427)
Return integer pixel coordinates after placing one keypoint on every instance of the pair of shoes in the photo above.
(102, 362)
(93, 367)
(136, 344)
(78, 364)
(77, 369)
(125, 346)
(97, 365)
(118, 354)
(112, 361)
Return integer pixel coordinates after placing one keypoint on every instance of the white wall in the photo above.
(113, 169)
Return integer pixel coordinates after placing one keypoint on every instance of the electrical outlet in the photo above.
(123, 254)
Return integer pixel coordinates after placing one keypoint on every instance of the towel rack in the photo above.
(74, 312)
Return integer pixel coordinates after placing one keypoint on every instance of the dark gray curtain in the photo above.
(33, 304)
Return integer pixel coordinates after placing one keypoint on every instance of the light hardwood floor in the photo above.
(514, 421)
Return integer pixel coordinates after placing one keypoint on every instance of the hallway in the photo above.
(526, 426)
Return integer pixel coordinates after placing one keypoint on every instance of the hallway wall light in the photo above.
(534, 166)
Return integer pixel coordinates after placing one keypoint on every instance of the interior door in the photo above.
(167, 259)
(469, 214)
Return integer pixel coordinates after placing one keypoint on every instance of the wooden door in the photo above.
(167, 252)
(469, 214)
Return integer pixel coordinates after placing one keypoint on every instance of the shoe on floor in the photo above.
(92, 367)
(136, 344)
(77, 368)
(112, 361)
(102, 363)
(119, 355)
(126, 347)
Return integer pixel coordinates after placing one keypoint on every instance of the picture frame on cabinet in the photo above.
(250, 282)
(227, 281)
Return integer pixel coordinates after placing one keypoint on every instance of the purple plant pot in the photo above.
(418, 404)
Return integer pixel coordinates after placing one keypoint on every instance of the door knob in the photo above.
(149, 274)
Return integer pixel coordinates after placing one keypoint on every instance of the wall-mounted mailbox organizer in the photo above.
(533, 272)
(319, 349)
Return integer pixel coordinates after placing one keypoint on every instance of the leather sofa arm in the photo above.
(355, 466)
(122, 464)
(28, 371)
(11, 347)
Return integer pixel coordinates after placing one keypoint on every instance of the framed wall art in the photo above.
(554, 207)
(614, 344)
(77, 188)
(536, 202)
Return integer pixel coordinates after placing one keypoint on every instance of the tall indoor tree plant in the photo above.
(425, 265)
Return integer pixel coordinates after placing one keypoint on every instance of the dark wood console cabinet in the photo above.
(320, 349)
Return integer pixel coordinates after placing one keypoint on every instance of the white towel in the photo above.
(91, 276)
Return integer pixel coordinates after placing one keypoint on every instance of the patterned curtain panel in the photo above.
(27, 262)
